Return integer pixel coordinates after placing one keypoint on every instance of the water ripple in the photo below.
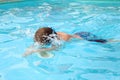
(105, 58)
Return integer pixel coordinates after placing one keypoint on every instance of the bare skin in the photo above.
(61, 35)
(31, 50)
(67, 37)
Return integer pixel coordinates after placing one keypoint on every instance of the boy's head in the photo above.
(45, 35)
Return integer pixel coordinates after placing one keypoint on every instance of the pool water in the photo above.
(76, 59)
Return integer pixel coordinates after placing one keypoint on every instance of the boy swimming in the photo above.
(47, 36)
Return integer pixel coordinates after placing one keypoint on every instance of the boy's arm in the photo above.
(31, 50)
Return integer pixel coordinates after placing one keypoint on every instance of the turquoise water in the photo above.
(76, 59)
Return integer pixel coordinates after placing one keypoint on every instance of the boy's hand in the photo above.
(28, 52)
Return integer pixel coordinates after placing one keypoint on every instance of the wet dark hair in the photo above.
(44, 35)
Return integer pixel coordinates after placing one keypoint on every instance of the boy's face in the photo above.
(45, 35)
